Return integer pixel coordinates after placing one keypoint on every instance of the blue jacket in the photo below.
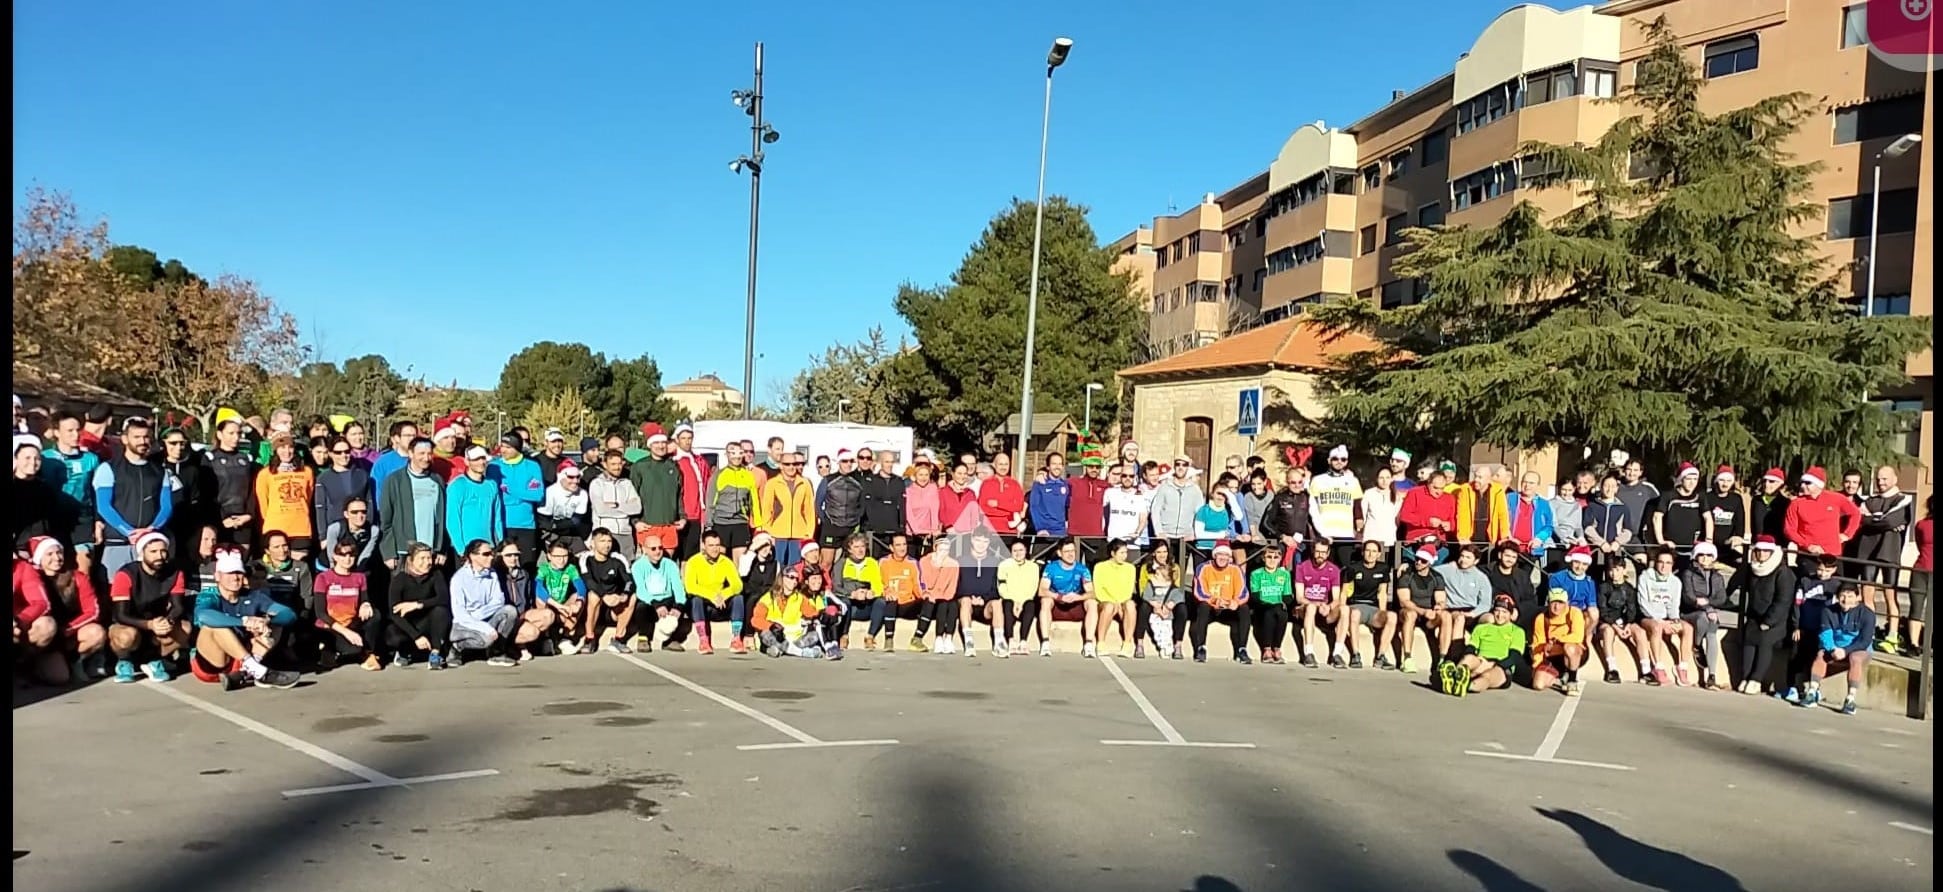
(1847, 629)
(1581, 592)
(521, 488)
(1046, 506)
(334, 488)
(1541, 518)
(213, 611)
(71, 473)
(384, 466)
(474, 510)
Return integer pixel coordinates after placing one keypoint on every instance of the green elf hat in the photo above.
(1090, 454)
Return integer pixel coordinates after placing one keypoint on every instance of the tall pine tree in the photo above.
(1679, 314)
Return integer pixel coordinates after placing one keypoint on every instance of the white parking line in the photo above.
(802, 740)
(1169, 734)
(1573, 762)
(373, 779)
(1561, 723)
(1926, 831)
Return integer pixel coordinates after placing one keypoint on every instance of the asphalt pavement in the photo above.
(906, 772)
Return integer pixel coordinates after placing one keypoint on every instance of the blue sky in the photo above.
(446, 182)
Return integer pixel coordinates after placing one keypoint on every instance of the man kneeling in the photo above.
(795, 623)
(1497, 653)
(238, 627)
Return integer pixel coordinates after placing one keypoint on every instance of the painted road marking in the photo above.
(1573, 762)
(1899, 825)
(802, 740)
(1170, 736)
(1554, 738)
(373, 779)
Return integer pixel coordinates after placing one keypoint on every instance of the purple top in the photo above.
(1318, 584)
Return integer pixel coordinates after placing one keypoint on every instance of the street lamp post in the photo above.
(840, 405)
(1061, 47)
(760, 134)
(1090, 390)
(1896, 149)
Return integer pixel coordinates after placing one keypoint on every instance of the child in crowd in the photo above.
(1848, 630)
(792, 622)
(1160, 588)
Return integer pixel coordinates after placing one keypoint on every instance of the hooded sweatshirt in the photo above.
(1659, 595)
(1853, 629)
(521, 489)
(1173, 508)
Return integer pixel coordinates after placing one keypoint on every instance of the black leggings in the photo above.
(1271, 624)
(1237, 620)
(944, 613)
(1757, 660)
(1028, 613)
(432, 623)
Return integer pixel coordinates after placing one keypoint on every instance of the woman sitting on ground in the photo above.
(791, 622)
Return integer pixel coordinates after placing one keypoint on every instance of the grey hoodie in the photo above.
(1253, 507)
(1172, 511)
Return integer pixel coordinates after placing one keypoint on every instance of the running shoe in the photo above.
(1612, 676)
(617, 646)
(1447, 678)
(672, 647)
(917, 646)
(1140, 650)
(569, 647)
(1336, 662)
(870, 642)
(1087, 651)
(1889, 644)
(1200, 655)
(235, 681)
(946, 647)
(1682, 676)
(1309, 662)
(1383, 662)
(156, 670)
(1355, 661)
(434, 662)
(643, 644)
(1848, 706)
(704, 647)
(1811, 697)
(1790, 695)
(1002, 652)
(736, 646)
(1045, 648)
(401, 659)
(971, 649)
(501, 660)
(1241, 656)
(1463, 682)
(1659, 677)
(833, 653)
(1178, 653)
(1572, 689)
(1408, 666)
(124, 672)
(525, 655)
(281, 679)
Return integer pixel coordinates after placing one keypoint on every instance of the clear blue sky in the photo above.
(446, 182)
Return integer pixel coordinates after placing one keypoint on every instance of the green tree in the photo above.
(566, 410)
(854, 372)
(1679, 315)
(141, 268)
(364, 387)
(546, 368)
(963, 379)
(633, 394)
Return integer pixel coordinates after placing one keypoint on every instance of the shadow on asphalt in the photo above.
(1644, 863)
(36, 693)
(1791, 766)
(1491, 876)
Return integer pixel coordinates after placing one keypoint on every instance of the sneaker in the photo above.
(1848, 706)
(1002, 652)
(1612, 676)
(1810, 698)
(1571, 689)
(156, 670)
(1791, 695)
(1336, 662)
(281, 679)
(1241, 656)
(1383, 662)
(1408, 666)
(1682, 677)
(455, 659)
(1045, 648)
(736, 646)
(1309, 662)
(971, 648)
(569, 647)
(1888, 644)
(401, 659)
(1355, 661)
(917, 645)
(1200, 655)
(1659, 678)
(235, 681)
(1140, 650)
(643, 644)
(373, 664)
(434, 662)
(1447, 678)
(124, 672)
(704, 647)
(870, 642)
(501, 660)
(1086, 650)
(1463, 682)
(1178, 653)
(525, 655)
(833, 653)
(946, 647)
(672, 647)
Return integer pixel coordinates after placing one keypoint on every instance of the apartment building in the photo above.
(1325, 217)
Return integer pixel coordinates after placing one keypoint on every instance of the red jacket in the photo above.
(694, 482)
(1419, 506)
(953, 505)
(1001, 498)
(1086, 510)
(1827, 520)
(29, 593)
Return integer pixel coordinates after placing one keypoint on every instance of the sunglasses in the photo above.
(355, 511)
(340, 452)
(510, 555)
(175, 443)
(483, 552)
(792, 464)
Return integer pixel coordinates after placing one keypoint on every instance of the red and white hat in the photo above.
(40, 547)
(1766, 541)
(569, 469)
(1815, 475)
(1579, 553)
(1776, 475)
(809, 546)
(1427, 555)
(1687, 469)
(845, 455)
(444, 431)
(1725, 472)
(142, 538)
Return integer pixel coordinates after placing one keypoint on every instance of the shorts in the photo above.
(1515, 667)
(1919, 593)
(734, 535)
(205, 671)
(829, 537)
(666, 534)
(1365, 614)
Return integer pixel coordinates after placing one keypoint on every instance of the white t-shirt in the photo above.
(1123, 510)
(1332, 504)
(1380, 516)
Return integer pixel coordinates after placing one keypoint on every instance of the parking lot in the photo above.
(892, 772)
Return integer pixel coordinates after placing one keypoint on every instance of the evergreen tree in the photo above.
(1678, 314)
(963, 379)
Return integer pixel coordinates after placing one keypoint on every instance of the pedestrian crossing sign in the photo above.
(1248, 419)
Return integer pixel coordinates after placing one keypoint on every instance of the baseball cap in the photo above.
(1504, 602)
(476, 453)
(513, 440)
(1557, 596)
(230, 562)
(553, 435)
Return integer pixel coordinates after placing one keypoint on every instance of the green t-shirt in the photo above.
(557, 585)
(1494, 642)
(1270, 586)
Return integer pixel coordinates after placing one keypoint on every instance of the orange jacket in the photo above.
(789, 512)
(1500, 522)
(1547, 630)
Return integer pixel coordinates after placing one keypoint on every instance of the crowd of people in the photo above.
(276, 549)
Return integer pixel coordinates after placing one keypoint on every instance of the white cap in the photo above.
(1618, 458)
(927, 455)
(230, 562)
(1706, 548)
(684, 427)
(553, 435)
(477, 452)
(29, 440)
(1340, 451)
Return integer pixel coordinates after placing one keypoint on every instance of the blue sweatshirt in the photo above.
(476, 596)
(72, 474)
(474, 510)
(1046, 506)
(213, 611)
(383, 466)
(1581, 591)
(1849, 630)
(521, 488)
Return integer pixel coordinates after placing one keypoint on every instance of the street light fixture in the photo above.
(760, 134)
(1055, 57)
(840, 405)
(1896, 149)
(1090, 389)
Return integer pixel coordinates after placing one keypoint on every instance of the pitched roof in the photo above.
(1289, 344)
(1043, 424)
(36, 385)
(700, 384)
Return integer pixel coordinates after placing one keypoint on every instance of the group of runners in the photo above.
(275, 549)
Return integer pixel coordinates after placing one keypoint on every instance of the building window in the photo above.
(1174, 299)
(1552, 83)
(1160, 258)
(1879, 119)
(1366, 295)
(1205, 292)
(1238, 236)
(1855, 25)
(1732, 56)
(1485, 107)
(1436, 146)
(1883, 305)
(1260, 274)
(1599, 83)
(1295, 196)
(1398, 164)
(1641, 167)
(1160, 304)
(1366, 240)
(1178, 248)
(1372, 177)
(1484, 185)
(1430, 214)
(1301, 254)
(1393, 228)
(1908, 437)
(1397, 294)
(1278, 314)
(1535, 173)
(1849, 217)
(1261, 226)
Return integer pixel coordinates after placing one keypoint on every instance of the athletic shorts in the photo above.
(1365, 613)
(734, 535)
(1919, 593)
(205, 671)
(666, 534)
(829, 537)
(1515, 668)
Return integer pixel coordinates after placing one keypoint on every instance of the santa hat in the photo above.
(444, 431)
(1427, 555)
(1724, 472)
(1579, 553)
(684, 428)
(40, 547)
(809, 546)
(142, 538)
(1815, 475)
(650, 430)
(569, 469)
(1687, 470)
(1776, 475)
(1766, 541)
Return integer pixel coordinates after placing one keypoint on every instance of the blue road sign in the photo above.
(1248, 419)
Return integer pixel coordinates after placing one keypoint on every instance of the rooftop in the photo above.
(1290, 344)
